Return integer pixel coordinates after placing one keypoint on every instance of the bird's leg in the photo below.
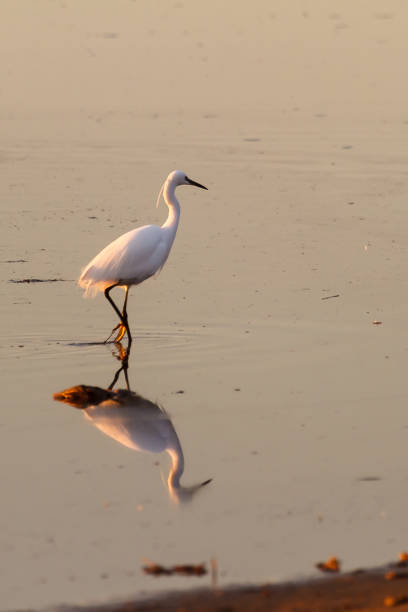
(123, 326)
(125, 371)
(115, 378)
(124, 311)
(123, 368)
(124, 358)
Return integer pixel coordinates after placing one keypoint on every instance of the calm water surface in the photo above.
(293, 405)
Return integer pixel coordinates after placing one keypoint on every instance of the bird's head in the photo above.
(177, 177)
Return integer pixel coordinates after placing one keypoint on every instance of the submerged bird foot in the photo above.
(122, 353)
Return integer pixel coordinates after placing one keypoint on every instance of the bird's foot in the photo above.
(111, 334)
(120, 334)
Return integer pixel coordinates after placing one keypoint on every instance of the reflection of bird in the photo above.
(135, 422)
(136, 255)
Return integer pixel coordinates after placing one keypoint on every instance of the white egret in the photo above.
(136, 255)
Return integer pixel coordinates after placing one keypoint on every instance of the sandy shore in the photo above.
(358, 590)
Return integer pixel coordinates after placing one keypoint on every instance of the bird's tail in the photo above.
(90, 285)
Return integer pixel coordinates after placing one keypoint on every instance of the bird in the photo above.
(138, 424)
(136, 255)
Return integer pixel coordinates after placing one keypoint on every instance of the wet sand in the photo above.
(363, 590)
(274, 339)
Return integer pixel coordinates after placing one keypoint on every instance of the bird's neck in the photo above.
(172, 202)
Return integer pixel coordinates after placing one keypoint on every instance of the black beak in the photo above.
(190, 182)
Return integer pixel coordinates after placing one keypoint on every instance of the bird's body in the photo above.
(136, 255)
(128, 260)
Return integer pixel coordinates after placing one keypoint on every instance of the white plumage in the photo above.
(133, 257)
(136, 255)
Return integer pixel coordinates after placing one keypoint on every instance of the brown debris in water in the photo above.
(190, 570)
(331, 565)
(329, 297)
(37, 280)
(154, 569)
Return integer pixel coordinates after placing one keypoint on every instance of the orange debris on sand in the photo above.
(331, 565)
(402, 560)
(392, 602)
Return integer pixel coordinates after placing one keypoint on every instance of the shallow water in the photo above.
(293, 404)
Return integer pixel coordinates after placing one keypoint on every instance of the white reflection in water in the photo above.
(137, 423)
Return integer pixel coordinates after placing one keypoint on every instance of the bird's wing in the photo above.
(132, 257)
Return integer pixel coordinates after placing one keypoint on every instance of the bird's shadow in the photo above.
(100, 343)
(94, 343)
